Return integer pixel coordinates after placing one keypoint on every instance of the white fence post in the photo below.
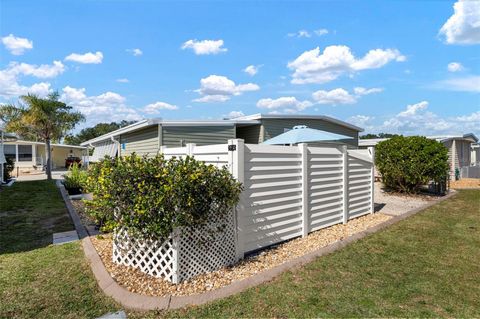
(372, 182)
(345, 183)
(303, 147)
(236, 157)
(189, 148)
(175, 253)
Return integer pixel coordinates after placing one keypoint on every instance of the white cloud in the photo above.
(474, 117)
(413, 109)
(155, 108)
(235, 114)
(416, 119)
(205, 46)
(342, 96)
(87, 58)
(464, 84)
(252, 69)
(364, 91)
(212, 99)
(363, 121)
(40, 71)
(336, 96)
(17, 45)
(316, 67)
(300, 34)
(321, 32)
(288, 104)
(106, 107)
(122, 80)
(307, 34)
(217, 88)
(463, 27)
(10, 77)
(455, 67)
(135, 52)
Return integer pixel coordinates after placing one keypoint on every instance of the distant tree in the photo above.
(379, 135)
(95, 131)
(44, 119)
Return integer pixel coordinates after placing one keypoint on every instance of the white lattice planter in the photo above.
(182, 256)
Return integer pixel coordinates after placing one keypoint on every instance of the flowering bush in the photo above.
(150, 197)
(406, 163)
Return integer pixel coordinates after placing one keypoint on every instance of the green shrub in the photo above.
(8, 168)
(150, 197)
(407, 163)
(76, 177)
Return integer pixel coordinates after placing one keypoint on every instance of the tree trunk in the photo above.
(48, 154)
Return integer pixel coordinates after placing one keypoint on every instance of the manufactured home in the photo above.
(29, 155)
(147, 137)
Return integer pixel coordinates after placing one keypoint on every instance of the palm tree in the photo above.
(46, 119)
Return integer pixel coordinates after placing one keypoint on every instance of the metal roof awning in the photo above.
(107, 148)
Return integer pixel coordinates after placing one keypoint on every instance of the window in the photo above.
(24, 153)
(10, 152)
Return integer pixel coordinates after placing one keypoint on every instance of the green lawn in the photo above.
(30, 213)
(425, 266)
(38, 280)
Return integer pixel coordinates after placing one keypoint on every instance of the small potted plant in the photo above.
(75, 179)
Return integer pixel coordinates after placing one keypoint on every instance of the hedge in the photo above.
(407, 163)
(150, 197)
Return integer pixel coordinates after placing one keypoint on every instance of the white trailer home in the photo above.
(29, 155)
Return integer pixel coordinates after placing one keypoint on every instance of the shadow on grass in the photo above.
(30, 212)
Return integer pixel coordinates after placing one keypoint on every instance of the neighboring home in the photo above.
(148, 136)
(29, 155)
(460, 149)
(476, 154)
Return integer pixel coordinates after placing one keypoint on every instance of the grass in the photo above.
(425, 266)
(31, 212)
(38, 280)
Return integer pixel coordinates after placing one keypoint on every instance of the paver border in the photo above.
(135, 301)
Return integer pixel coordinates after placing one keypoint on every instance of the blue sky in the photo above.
(398, 66)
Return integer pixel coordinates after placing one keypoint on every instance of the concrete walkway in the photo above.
(39, 175)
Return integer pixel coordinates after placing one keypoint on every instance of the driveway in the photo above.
(37, 176)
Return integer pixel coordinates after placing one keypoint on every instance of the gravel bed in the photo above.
(398, 204)
(80, 209)
(466, 183)
(136, 281)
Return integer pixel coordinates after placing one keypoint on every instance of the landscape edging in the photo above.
(135, 301)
